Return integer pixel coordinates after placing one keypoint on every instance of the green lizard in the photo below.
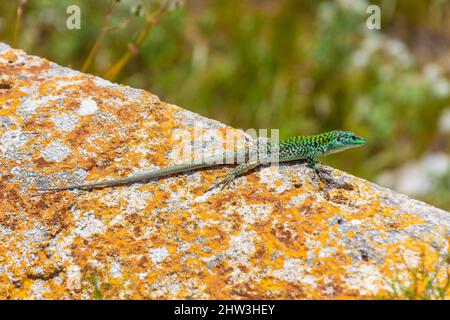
(296, 148)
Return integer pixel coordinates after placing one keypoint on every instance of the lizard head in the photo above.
(341, 140)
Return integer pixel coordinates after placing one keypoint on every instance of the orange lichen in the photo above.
(290, 239)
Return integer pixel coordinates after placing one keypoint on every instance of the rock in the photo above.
(275, 234)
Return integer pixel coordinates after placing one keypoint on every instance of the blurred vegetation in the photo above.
(429, 279)
(300, 66)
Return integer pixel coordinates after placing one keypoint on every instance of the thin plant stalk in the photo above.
(19, 14)
(133, 48)
(106, 28)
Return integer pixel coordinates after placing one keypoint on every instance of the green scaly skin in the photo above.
(297, 148)
(304, 148)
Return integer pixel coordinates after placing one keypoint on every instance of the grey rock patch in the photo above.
(30, 105)
(76, 177)
(4, 48)
(192, 119)
(56, 151)
(13, 140)
(88, 224)
(87, 106)
(359, 247)
(104, 83)
(115, 270)
(7, 122)
(66, 122)
(158, 254)
(56, 70)
(12, 145)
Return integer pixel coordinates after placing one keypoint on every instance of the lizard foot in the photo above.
(324, 176)
(222, 183)
(239, 170)
(331, 182)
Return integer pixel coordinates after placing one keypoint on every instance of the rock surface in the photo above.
(275, 234)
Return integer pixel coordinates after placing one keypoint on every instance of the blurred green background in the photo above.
(300, 66)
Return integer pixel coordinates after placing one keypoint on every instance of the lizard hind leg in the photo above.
(233, 174)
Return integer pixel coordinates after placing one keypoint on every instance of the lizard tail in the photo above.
(131, 179)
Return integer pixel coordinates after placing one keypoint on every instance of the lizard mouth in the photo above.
(359, 141)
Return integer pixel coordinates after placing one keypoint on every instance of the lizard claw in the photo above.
(222, 183)
(240, 169)
(226, 182)
(213, 186)
(324, 178)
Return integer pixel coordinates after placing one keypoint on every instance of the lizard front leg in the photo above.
(239, 170)
(313, 164)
